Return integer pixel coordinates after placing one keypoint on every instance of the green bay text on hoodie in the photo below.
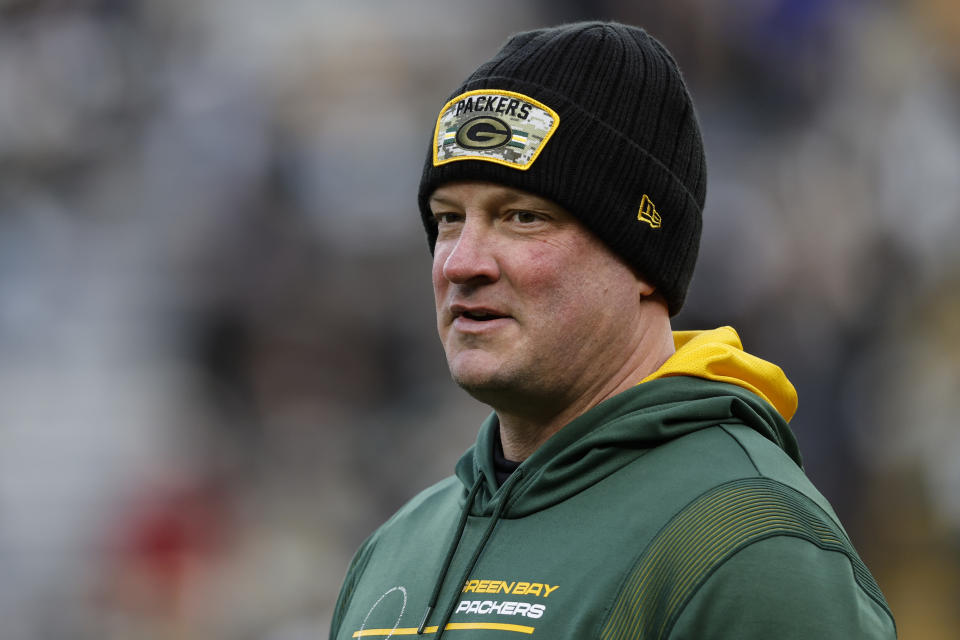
(677, 509)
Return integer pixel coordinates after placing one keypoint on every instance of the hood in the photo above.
(709, 380)
(718, 355)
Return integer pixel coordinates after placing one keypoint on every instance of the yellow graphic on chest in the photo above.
(516, 587)
(503, 127)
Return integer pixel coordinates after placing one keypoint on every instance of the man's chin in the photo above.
(514, 394)
(477, 381)
(482, 382)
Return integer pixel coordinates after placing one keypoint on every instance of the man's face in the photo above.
(532, 309)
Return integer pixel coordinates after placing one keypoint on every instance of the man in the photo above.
(632, 482)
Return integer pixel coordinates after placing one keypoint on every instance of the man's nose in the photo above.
(472, 258)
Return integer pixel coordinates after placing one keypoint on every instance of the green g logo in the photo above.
(483, 132)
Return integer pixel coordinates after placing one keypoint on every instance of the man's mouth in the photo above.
(481, 316)
(476, 314)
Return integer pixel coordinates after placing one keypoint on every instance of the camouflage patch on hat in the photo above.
(497, 126)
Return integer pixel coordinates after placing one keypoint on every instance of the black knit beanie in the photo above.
(595, 117)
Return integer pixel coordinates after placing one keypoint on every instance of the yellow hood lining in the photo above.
(718, 355)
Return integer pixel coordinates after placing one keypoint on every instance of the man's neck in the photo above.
(523, 432)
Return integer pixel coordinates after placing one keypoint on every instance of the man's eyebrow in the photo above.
(505, 200)
(442, 200)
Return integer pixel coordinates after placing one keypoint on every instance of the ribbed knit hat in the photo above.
(594, 116)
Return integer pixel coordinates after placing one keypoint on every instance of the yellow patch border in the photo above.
(500, 92)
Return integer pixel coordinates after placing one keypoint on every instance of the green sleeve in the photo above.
(787, 588)
(354, 571)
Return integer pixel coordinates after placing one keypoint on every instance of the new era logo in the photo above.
(648, 213)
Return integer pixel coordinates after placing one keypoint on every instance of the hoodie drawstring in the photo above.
(497, 512)
(467, 506)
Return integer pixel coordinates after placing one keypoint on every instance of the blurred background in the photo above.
(218, 367)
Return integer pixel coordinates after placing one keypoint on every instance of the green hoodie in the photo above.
(677, 509)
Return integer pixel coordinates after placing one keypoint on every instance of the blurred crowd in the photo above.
(218, 365)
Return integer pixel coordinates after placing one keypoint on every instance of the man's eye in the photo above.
(525, 217)
(446, 218)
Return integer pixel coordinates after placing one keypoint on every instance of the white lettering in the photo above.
(485, 607)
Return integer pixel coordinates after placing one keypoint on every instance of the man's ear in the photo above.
(645, 288)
